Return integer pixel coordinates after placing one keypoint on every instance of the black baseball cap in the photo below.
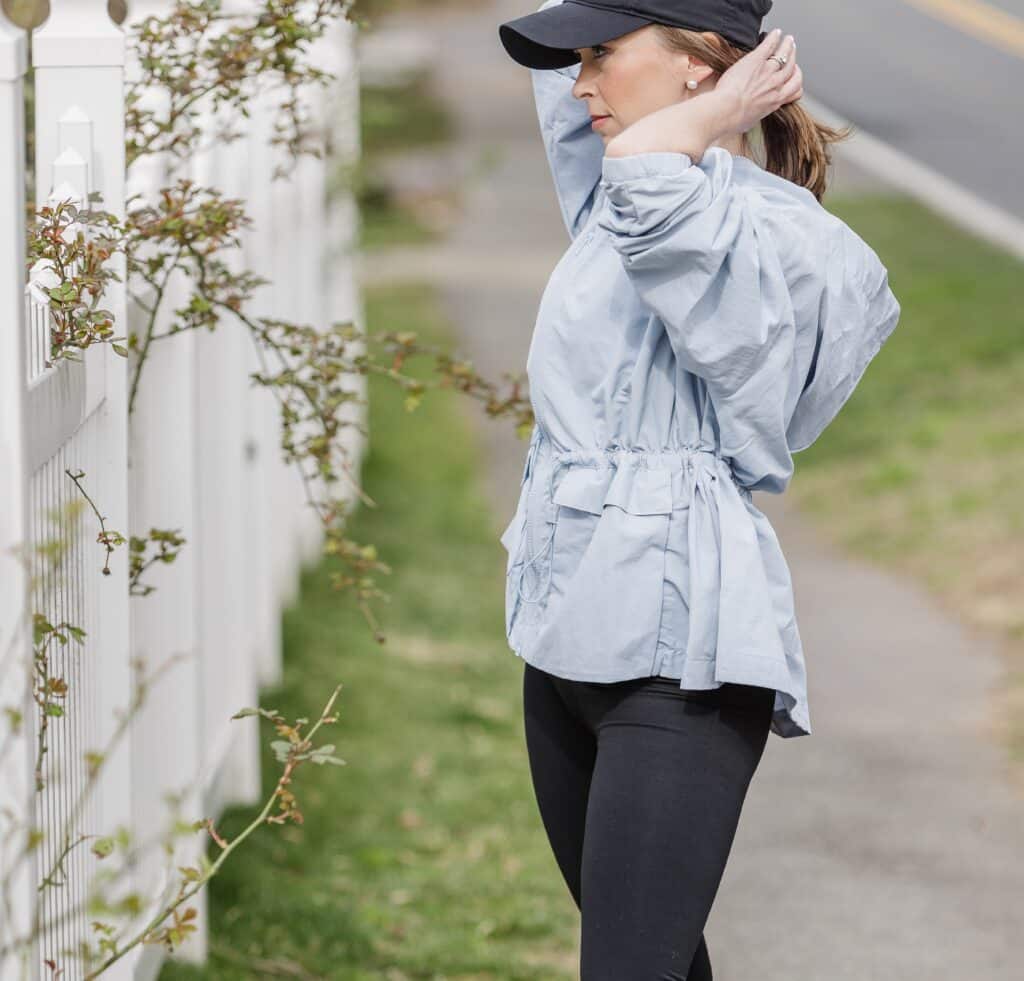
(547, 38)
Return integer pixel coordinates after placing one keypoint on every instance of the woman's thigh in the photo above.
(561, 752)
(669, 781)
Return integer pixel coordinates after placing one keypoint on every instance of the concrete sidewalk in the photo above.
(889, 843)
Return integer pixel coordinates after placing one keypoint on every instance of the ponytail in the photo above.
(794, 144)
(798, 147)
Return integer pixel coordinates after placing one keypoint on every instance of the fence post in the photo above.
(15, 645)
(78, 55)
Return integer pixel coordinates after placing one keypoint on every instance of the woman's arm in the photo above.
(775, 303)
(688, 127)
(574, 150)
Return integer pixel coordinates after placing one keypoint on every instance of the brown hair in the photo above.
(795, 145)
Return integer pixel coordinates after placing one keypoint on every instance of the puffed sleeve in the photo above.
(574, 149)
(772, 301)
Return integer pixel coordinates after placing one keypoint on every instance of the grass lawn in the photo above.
(923, 467)
(425, 856)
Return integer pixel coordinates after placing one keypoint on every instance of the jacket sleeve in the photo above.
(772, 301)
(574, 150)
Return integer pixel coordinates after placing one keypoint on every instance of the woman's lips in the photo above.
(597, 120)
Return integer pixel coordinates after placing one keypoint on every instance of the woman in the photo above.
(708, 320)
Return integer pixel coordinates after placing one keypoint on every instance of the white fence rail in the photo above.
(200, 453)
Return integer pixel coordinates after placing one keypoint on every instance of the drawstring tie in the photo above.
(545, 547)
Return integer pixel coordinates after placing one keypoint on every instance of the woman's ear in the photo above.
(695, 71)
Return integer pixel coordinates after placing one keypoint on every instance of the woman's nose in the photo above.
(582, 87)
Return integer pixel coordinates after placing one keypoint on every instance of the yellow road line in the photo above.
(980, 19)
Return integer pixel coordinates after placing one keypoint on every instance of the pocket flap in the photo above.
(583, 488)
(637, 490)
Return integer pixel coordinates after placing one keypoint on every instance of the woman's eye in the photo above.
(598, 50)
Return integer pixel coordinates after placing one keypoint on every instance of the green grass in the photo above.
(425, 856)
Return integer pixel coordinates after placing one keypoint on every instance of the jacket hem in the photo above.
(789, 719)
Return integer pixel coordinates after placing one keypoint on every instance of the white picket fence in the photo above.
(200, 454)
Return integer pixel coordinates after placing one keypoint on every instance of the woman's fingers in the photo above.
(783, 75)
(760, 84)
(793, 89)
(786, 50)
(770, 43)
(786, 47)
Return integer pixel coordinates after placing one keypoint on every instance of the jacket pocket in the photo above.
(607, 571)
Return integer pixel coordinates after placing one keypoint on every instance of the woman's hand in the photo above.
(746, 92)
(755, 86)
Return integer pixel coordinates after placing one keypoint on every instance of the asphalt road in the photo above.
(942, 80)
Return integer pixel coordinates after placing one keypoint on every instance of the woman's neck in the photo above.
(733, 143)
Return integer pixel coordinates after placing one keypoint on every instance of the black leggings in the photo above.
(657, 775)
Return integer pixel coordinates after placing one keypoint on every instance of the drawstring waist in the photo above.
(735, 615)
(684, 459)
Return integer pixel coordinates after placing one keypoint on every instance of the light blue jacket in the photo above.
(706, 322)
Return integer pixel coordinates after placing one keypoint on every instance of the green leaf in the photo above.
(281, 748)
(325, 754)
(320, 760)
(103, 847)
(41, 627)
(64, 293)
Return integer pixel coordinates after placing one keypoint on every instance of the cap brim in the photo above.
(546, 38)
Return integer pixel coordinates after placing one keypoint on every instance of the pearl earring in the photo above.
(691, 83)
